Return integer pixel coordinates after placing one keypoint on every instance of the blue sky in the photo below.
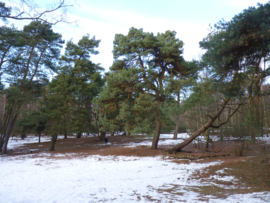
(189, 18)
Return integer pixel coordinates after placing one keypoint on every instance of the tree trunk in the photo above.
(112, 133)
(264, 115)
(102, 136)
(65, 133)
(1, 143)
(53, 141)
(255, 106)
(39, 135)
(79, 135)
(178, 147)
(207, 139)
(8, 132)
(156, 135)
(178, 118)
(176, 127)
(252, 123)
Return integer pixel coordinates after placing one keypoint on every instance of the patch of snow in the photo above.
(169, 136)
(149, 143)
(223, 178)
(95, 178)
(33, 150)
(103, 144)
(66, 178)
(222, 171)
(55, 177)
(165, 139)
(265, 139)
(16, 142)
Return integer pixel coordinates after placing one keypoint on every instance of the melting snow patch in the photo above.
(45, 179)
(223, 178)
(222, 171)
(53, 178)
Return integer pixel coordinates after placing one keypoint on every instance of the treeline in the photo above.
(150, 87)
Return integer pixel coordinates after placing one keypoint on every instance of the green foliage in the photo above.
(239, 44)
(147, 71)
(4, 11)
(148, 86)
(72, 91)
(36, 120)
(234, 54)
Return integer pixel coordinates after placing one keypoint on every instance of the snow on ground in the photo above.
(265, 139)
(16, 142)
(93, 179)
(167, 139)
(47, 177)
(66, 178)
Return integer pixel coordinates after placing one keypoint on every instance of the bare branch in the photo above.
(209, 116)
(39, 15)
(229, 117)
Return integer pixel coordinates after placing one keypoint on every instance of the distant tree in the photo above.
(186, 80)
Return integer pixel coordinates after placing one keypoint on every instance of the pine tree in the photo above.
(143, 74)
(242, 46)
(38, 51)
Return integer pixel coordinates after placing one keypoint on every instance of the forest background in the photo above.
(150, 87)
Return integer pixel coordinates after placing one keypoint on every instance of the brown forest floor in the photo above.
(252, 169)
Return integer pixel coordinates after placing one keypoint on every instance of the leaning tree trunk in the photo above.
(8, 132)
(178, 147)
(156, 135)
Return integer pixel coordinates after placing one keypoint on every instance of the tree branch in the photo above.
(40, 15)
(229, 117)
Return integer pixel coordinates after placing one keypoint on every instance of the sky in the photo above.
(105, 18)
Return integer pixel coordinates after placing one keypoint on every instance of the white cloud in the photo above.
(119, 22)
(104, 24)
